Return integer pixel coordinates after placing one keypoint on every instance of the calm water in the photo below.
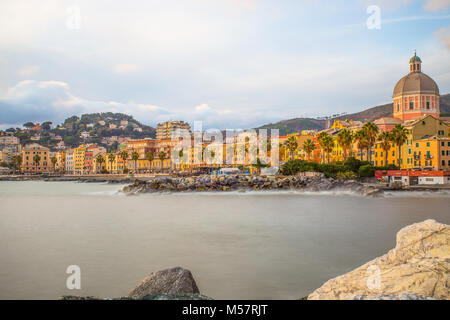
(237, 245)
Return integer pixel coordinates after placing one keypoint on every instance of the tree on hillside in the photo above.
(399, 137)
(385, 139)
(47, 125)
(345, 139)
(371, 132)
(308, 147)
(28, 125)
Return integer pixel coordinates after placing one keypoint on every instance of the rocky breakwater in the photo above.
(417, 268)
(248, 183)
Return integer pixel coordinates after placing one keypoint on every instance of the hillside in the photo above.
(106, 129)
(371, 114)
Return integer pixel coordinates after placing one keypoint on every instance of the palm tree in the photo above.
(17, 162)
(54, 161)
(162, 156)
(124, 156)
(135, 158)
(345, 139)
(150, 156)
(385, 139)
(371, 131)
(100, 160)
(111, 158)
(360, 137)
(328, 144)
(321, 137)
(399, 137)
(36, 159)
(292, 145)
(309, 147)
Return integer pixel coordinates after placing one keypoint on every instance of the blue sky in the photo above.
(228, 63)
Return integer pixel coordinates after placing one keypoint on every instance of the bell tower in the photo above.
(415, 64)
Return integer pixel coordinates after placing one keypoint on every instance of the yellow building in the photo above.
(78, 159)
(379, 155)
(431, 153)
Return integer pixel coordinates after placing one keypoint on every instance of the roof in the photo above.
(415, 121)
(415, 58)
(415, 82)
(388, 120)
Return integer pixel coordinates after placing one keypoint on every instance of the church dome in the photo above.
(415, 82)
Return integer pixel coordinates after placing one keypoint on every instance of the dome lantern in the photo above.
(415, 63)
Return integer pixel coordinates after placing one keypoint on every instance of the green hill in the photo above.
(101, 128)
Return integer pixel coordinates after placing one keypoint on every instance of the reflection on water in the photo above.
(238, 246)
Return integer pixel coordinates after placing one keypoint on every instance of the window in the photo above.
(443, 162)
(428, 104)
(443, 152)
(442, 144)
(428, 144)
(411, 105)
(398, 106)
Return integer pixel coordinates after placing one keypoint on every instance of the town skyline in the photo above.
(246, 69)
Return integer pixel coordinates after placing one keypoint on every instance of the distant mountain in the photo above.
(371, 114)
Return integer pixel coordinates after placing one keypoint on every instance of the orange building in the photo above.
(33, 152)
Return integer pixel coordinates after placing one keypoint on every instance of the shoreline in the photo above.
(161, 183)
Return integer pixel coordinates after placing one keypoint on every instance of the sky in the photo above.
(228, 63)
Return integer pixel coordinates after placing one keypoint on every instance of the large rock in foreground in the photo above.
(169, 281)
(418, 265)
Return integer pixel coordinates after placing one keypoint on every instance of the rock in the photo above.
(169, 281)
(419, 265)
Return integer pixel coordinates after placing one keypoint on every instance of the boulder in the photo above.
(169, 281)
(418, 265)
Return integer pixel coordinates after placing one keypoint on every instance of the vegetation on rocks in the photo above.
(350, 169)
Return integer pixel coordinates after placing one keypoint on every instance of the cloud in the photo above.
(125, 68)
(28, 71)
(430, 5)
(444, 35)
(38, 101)
(436, 5)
